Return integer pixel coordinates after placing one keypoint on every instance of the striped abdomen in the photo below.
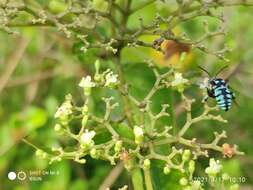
(223, 96)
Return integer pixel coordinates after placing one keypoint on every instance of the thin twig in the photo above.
(13, 61)
(112, 176)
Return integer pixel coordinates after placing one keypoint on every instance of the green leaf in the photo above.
(35, 117)
(79, 184)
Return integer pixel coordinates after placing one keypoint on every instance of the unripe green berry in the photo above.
(57, 6)
(44, 155)
(139, 134)
(39, 152)
(85, 120)
(166, 170)
(183, 181)
(191, 167)
(81, 161)
(186, 155)
(100, 5)
(94, 153)
(85, 109)
(129, 164)
(57, 127)
(59, 159)
(97, 77)
(97, 66)
(87, 91)
(118, 146)
(146, 164)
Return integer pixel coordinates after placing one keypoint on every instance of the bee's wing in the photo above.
(233, 95)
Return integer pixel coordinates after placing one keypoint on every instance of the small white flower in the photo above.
(139, 134)
(86, 138)
(138, 131)
(86, 82)
(179, 80)
(64, 110)
(111, 79)
(214, 167)
(204, 84)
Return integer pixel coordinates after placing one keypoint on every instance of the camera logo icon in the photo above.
(21, 175)
(12, 175)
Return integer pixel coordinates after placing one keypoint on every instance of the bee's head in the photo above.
(211, 83)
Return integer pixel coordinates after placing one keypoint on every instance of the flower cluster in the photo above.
(106, 79)
(134, 132)
(179, 82)
(214, 167)
(135, 142)
(64, 111)
(86, 141)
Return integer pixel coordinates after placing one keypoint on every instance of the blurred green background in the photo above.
(40, 66)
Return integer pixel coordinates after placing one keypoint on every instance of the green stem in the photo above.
(148, 180)
(137, 179)
(172, 113)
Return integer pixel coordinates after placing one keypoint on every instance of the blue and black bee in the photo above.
(219, 89)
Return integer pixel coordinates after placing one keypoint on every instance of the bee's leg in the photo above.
(205, 98)
(233, 95)
(234, 100)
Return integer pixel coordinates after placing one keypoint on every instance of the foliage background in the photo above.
(50, 66)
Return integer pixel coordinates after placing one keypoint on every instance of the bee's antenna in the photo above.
(221, 70)
(204, 70)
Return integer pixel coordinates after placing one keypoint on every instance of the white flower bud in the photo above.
(179, 82)
(166, 170)
(94, 153)
(87, 84)
(64, 111)
(214, 167)
(183, 181)
(139, 134)
(86, 139)
(57, 127)
(111, 80)
(186, 155)
(118, 146)
(39, 153)
(146, 164)
(44, 155)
